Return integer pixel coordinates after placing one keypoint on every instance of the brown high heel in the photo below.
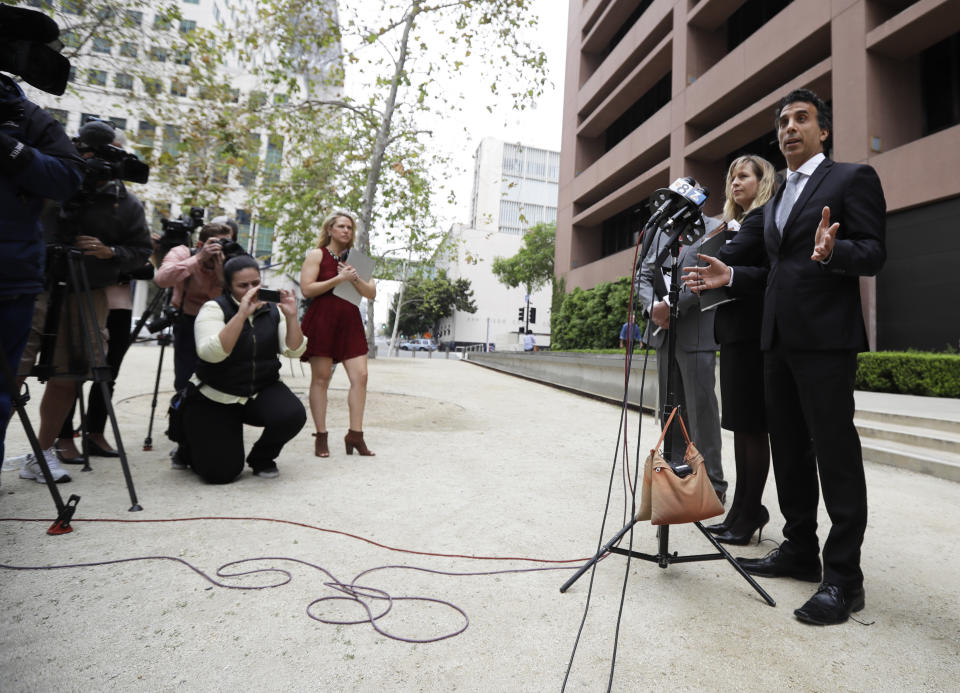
(354, 439)
(320, 448)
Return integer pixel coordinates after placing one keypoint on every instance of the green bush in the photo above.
(591, 319)
(910, 373)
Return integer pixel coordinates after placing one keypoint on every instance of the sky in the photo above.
(459, 136)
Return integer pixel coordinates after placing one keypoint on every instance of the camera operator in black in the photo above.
(37, 162)
(107, 223)
(196, 277)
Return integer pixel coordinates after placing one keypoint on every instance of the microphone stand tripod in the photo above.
(663, 557)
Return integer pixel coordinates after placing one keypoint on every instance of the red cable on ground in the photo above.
(307, 526)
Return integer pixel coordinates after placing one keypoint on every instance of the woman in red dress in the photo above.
(334, 329)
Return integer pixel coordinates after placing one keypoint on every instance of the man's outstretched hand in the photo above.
(826, 234)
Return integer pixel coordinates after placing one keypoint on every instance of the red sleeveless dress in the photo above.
(332, 325)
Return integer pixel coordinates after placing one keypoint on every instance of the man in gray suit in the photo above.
(696, 356)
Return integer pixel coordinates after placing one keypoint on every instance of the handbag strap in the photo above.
(666, 426)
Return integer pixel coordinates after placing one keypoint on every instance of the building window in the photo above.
(158, 54)
(133, 18)
(122, 80)
(242, 218)
(234, 96)
(119, 123)
(162, 21)
(58, 114)
(512, 160)
(652, 101)
(191, 2)
(178, 88)
(152, 85)
(274, 157)
(72, 6)
(72, 77)
(146, 131)
(181, 56)
(250, 160)
(87, 117)
(622, 230)
(627, 26)
(749, 17)
(171, 140)
(70, 39)
(940, 85)
(258, 99)
(263, 247)
(105, 14)
(510, 213)
(187, 25)
(128, 49)
(97, 78)
(102, 45)
(42, 4)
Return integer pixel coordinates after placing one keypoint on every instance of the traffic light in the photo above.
(520, 314)
(533, 315)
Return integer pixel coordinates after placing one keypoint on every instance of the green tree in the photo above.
(591, 319)
(399, 53)
(428, 301)
(532, 265)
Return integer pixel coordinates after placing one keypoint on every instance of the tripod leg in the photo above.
(108, 403)
(606, 548)
(64, 510)
(733, 561)
(148, 441)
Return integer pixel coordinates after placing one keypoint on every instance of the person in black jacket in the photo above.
(751, 182)
(237, 378)
(824, 230)
(37, 162)
(107, 224)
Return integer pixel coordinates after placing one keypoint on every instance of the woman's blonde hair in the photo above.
(766, 185)
(324, 239)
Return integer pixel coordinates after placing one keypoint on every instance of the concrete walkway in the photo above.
(471, 462)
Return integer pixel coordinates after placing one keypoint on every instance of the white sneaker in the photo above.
(12, 464)
(31, 469)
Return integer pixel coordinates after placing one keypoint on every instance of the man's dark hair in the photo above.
(824, 113)
(213, 230)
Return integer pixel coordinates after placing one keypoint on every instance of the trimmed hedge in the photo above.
(909, 373)
(591, 318)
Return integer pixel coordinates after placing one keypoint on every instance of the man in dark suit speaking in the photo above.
(823, 230)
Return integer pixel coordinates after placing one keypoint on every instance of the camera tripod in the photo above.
(75, 281)
(19, 400)
(671, 455)
(163, 325)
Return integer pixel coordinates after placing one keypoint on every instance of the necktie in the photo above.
(788, 200)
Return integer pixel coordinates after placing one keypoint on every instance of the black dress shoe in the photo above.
(96, 451)
(776, 564)
(720, 526)
(832, 604)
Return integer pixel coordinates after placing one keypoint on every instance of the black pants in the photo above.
(810, 412)
(184, 350)
(214, 432)
(118, 341)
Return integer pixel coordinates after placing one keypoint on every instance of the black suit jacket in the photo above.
(740, 320)
(808, 304)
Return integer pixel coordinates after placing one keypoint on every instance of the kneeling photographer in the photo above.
(105, 228)
(196, 277)
(239, 336)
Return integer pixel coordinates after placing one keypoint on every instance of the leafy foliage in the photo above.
(591, 319)
(427, 301)
(532, 265)
(912, 373)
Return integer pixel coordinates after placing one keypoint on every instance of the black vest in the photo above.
(253, 363)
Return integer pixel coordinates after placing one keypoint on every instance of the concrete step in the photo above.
(946, 423)
(944, 465)
(932, 440)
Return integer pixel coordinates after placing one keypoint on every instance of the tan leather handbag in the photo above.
(667, 499)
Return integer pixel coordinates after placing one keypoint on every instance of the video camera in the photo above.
(107, 162)
(177, 231)
(30, 48)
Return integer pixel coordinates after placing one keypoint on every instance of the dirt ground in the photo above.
(469, 462)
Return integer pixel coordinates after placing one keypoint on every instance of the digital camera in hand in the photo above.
(269, 295)
(231, 249)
